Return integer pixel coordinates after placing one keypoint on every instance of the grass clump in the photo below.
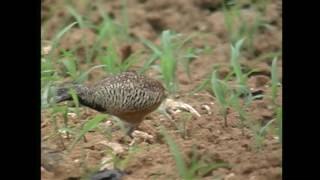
(229, 97)
(113, 63)
(89, 125)
(238, 26)
(196, 169)
(235, 53)
(220, 91)
(171, 53)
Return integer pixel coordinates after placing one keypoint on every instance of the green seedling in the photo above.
(181, 124)
(77, 16)
(279, 122)
(48, 72)
(171, 52)
(124, 16)
(233, 14)
(88, 126)
(220, 91)
(274, 80)
(57, 38)
(122, 163)
(261, 133)
(70, 64)
(112, 64)
(235, 53)
(196, 169)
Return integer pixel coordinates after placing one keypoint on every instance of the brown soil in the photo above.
(207, 134)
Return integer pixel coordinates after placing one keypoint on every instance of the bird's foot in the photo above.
(140, 136)
(172, 107)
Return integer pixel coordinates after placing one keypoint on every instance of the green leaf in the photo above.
(202, 86)
(63, 31)
(180, 164)
(92, 123)
(235, 52)
(279, 119)
(111, 60)
(130, 61)
(75, 99)
(84, 75)
(57, 38)
(218, 90)
(76, 15)
(264, 129)
(274, 79)
(88, 126)
(148, 63)
(152, 46)
(71, 67)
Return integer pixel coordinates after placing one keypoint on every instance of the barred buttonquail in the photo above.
(129, 96)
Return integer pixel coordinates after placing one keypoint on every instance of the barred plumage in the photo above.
(129, 96)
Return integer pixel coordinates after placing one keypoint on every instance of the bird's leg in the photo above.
(131, 129)
(137, 135)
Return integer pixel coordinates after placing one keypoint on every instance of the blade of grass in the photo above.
(84, 75)
(88, 126)
(57, 38)
(150, 45)
(260, 133)
(202, 86)
(71, 67)
(235, 52)
(131, 60)
(268, 56)
(124, 14)
(220, 92)
(279, 119)
(77, 16)
(274, 80)
(111, 60)
(180, 164)
(148, 63)
(44, 96)
(75, 99)
(168, 62)
(264, 129)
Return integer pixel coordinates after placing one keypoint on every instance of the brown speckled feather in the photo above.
(129, 96)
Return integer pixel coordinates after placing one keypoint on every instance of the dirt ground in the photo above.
(207, 134)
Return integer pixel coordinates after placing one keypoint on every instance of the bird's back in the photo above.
(128, 93)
